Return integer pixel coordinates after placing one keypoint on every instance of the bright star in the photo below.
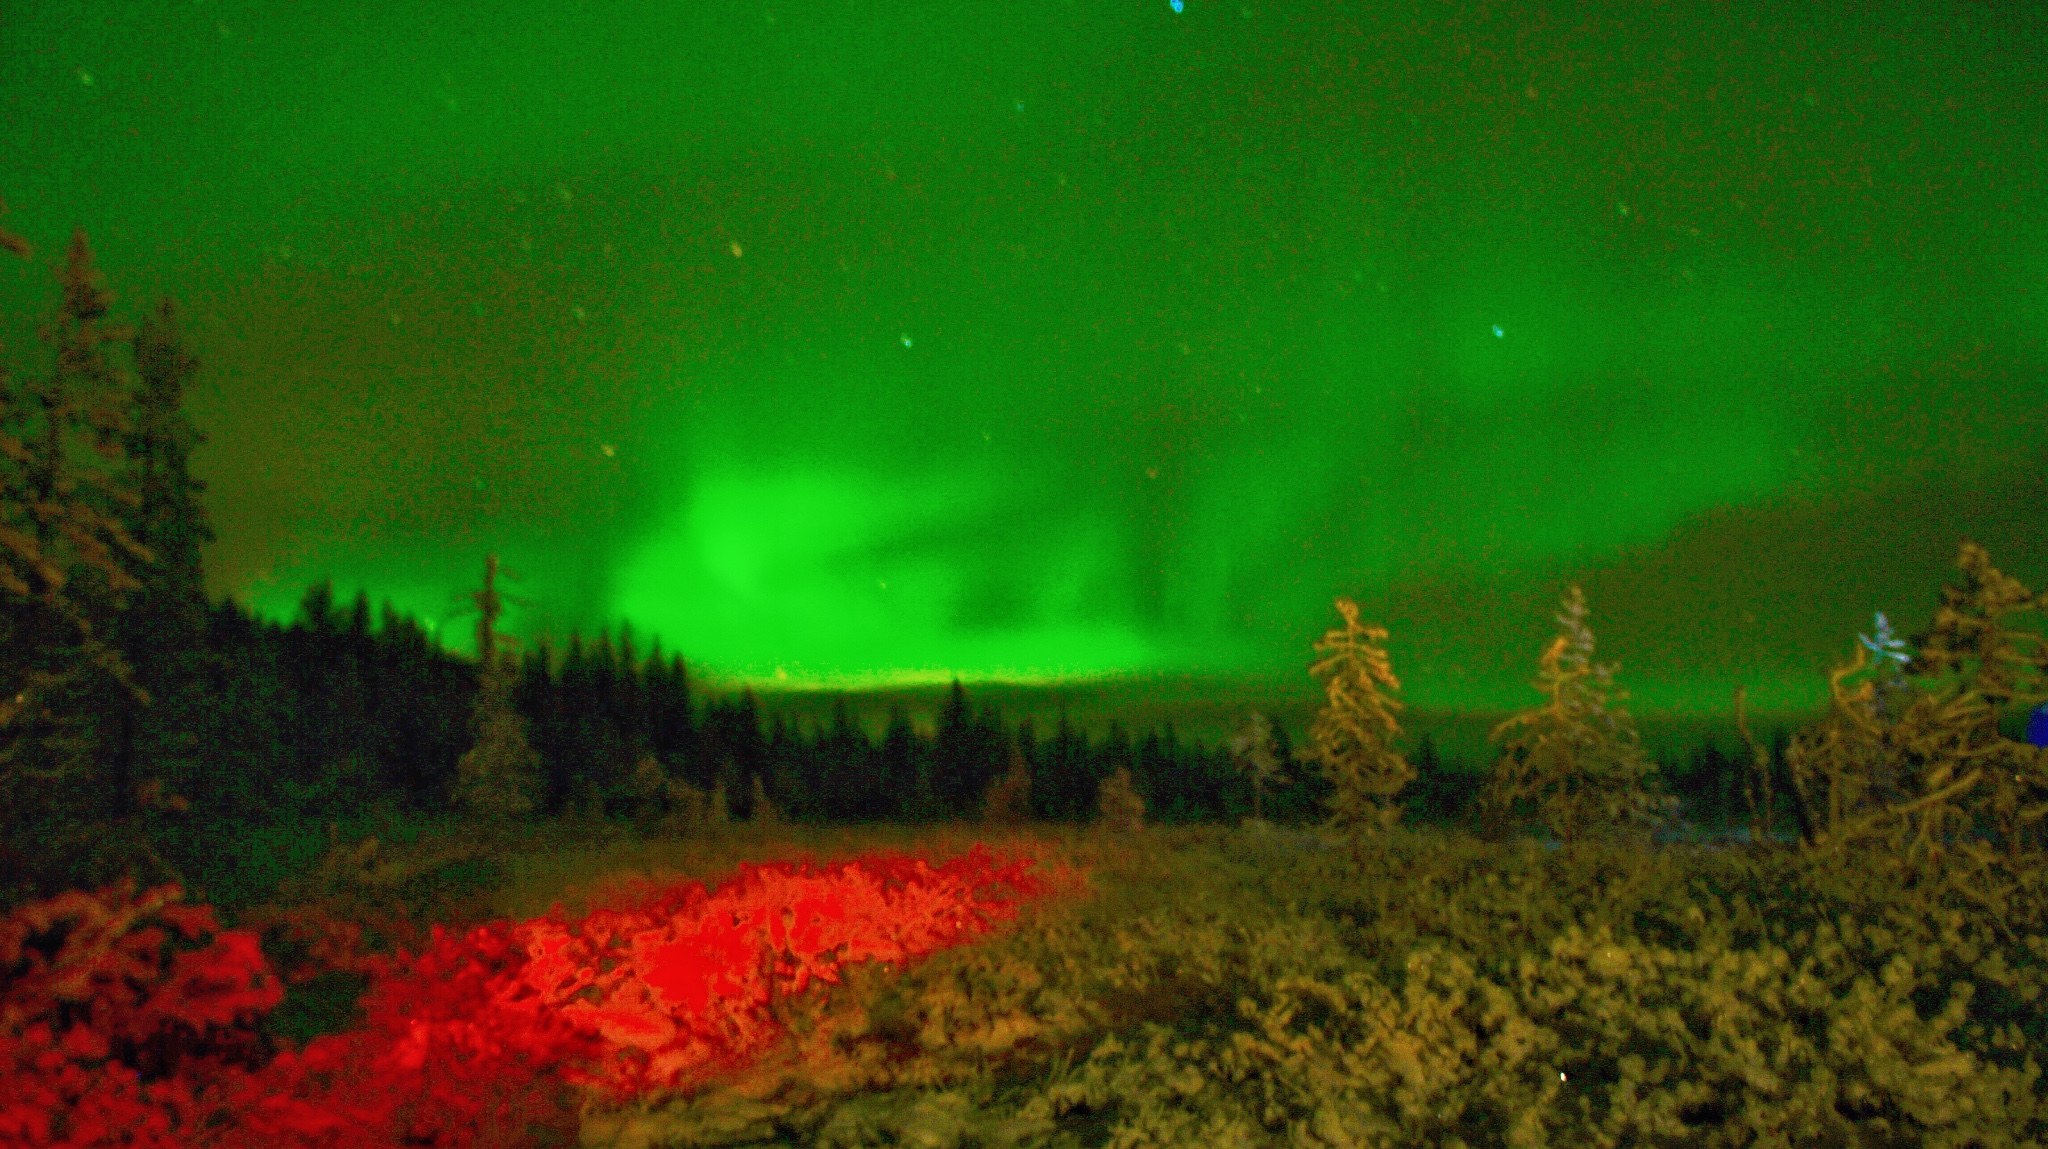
(1497, 332)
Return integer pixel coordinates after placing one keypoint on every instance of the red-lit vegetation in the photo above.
(130, 1020)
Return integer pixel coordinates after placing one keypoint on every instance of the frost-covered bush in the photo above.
(1937, 790)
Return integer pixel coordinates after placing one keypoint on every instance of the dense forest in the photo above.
(143, 726)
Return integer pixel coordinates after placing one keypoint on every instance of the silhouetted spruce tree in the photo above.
(570, 777)
(988, 757)
(1165, 772)
(849, 777)
(711, 743)
(778, 784)
(1026, 737)
(1148, 769)
(900, 771)
(404, 739)
(1220, 779)
(747, 747)
(501, 773)
(366, 709)
(1438, 792)
(334, 769)
(630, 713)
(610, 759)
(545, 719)
(355, 706)
(534, 698)
(162, 632)
(1708, 786)
(605, 679)
(68, 552)
(1309, 798)
(242, 724)
(67, 567)
(952, 767)
(1064, 781)
(803, 778)
(672, 727)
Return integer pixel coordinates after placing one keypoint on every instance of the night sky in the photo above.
(871, 343)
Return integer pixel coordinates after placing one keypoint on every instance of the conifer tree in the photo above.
(67, 567)
(632, 693)
(1062, 776)
(952, 752)
(500, 773)
(1938, 789)
(780, 770)
(1352, 736)
(570, 774)
(162, 632)
(900, 771)
(604, 684)
(67, 561)
(1118, 801)
(1251, 750)
(1112, 754)
(1577, 760)
(1007, 802)
(719, 809)
(760, 810)
(988, 743)
(671, 727)
(402, 656)
(668, 803)
(847, 784)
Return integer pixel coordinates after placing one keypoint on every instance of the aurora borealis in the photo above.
(862, 344)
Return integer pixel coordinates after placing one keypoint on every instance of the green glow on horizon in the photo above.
(819, 578)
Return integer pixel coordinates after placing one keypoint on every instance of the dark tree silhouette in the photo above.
(500, 774)
(67, 565)
(162, 632)
(902, 773)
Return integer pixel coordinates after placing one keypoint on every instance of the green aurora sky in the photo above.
(871, 343)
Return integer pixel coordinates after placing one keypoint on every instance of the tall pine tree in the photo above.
(67, 565)
(1352, 735)
(500, 775)
(162, 633)
(952, 767)
(1576, 763)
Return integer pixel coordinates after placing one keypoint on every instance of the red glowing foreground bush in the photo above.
(128, 1020)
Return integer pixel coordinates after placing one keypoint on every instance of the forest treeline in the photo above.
(142, 725)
